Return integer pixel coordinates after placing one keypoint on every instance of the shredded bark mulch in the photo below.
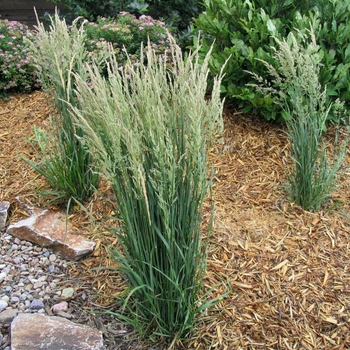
(285, 271)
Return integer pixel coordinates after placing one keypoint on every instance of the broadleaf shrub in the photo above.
(243, 30)
(126, 33)
(16, 72)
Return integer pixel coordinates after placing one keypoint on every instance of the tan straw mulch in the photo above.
(286, 271)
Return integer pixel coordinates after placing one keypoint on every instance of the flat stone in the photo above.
(4, 209)
(8, 315)
(48, 229)
(37, 331)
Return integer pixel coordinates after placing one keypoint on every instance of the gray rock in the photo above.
(8, 315)
(5, 298)
(37, 331)
(36, 304)
(14, 299)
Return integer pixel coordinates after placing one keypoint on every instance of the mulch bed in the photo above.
(287, 270)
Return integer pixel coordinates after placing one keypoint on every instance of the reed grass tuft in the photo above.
(151, 127)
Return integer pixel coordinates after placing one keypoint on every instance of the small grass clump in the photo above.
(297, 89)
(58, 53)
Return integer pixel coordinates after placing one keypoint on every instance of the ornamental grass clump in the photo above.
(150, 126)
(297, 89)
(65, 162)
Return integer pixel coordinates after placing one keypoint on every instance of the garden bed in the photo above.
(288, 270)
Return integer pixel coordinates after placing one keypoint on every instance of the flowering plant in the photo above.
(16, 72)
(126, 34)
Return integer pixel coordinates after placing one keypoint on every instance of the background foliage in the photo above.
(176, 13)
(126, 33)
(16, 72)
(244, 30)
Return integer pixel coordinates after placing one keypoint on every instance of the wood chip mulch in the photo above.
(286, 271)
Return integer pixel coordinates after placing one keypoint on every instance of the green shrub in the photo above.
(126, 34)
(150, 125)
(64, 161)
(16, 72)
(242, 30)
(296, 88)
(176, 13)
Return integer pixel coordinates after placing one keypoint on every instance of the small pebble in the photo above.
(67, 293)
(8, 315)
(52, 258)
(5, 298)
(2, 276)
(36, 304)
(38, 285)
(63, 306)
(3, 305)
(23, 296)
(23, 267)
(14, 299)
